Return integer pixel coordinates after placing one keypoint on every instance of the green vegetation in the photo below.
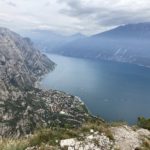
(52, 136)
(118, 123)
(13, 144)
(97, 125)
(49, 138)
(143, 123)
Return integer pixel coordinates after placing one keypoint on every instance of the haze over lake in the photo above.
(114, 91)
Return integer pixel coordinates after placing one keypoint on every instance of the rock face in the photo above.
(20, 63)
(128, 139)
(23, 107)
(94, 141)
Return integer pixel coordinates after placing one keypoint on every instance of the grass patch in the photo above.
(118, 123)
(10, 144)
(97, 125)
(52, 136)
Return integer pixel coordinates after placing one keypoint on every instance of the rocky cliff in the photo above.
(20, 63)
(24, 108)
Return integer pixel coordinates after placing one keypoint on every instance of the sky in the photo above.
(72, 16)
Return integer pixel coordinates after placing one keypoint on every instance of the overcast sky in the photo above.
(72, 16)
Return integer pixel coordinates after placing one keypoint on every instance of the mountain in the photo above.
(138, 31)
(49, 41)
(21, 64)
(23, 108)
(33, 119)
(128, 43)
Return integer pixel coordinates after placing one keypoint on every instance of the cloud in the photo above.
(11, 4)
(108, 12)
(47, 4)
(77, 8)
(70, 16)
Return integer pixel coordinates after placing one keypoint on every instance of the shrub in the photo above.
(143, 123)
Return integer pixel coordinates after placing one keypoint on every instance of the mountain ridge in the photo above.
(114, 45)
(48, 40)
(131, 30)
(24, 108)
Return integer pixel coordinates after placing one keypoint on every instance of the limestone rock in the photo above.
(95, 141)
(128, 139)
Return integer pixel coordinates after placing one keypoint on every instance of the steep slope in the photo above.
(20, 63)
(128, 43)
(23, 108)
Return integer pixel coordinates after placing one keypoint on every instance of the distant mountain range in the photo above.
(140, 30)
(49, 41)
(127, 43)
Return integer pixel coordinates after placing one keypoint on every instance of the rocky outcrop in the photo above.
(128, 139)
(125, 138)
(94, 141)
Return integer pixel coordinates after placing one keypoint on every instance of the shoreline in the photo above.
(97, 115)
(103, 59)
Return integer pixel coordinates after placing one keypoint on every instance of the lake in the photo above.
(113, 91)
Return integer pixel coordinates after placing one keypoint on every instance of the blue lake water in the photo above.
(113, 91)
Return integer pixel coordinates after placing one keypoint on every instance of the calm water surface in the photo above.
(114, 91)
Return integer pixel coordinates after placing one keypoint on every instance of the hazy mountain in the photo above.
(140, 30)
(49, 41)
(127, 43)
(23, 108)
